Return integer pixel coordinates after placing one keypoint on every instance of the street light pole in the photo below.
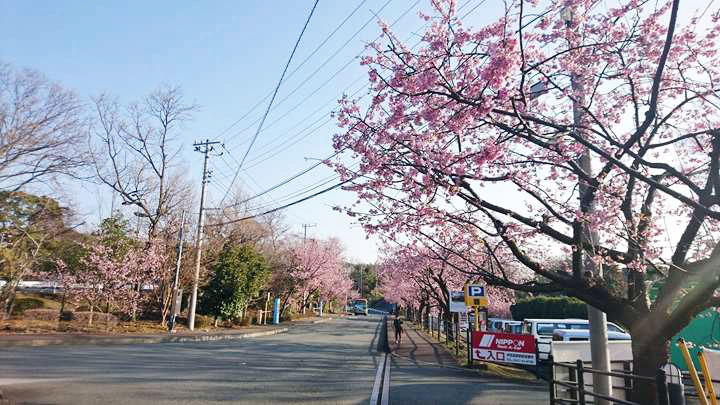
(599, 354)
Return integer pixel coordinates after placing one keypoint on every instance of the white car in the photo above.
(504, 325)
(579, 335)
(543, 330)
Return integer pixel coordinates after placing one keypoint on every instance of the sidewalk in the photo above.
(130, 338)
(424, 372)
(418, 348)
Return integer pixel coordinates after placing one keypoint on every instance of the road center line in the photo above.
(378, 380)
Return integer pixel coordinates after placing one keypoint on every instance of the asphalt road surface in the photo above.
(329, 363)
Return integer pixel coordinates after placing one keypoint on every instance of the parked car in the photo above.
(543, 330)
(572, 335)
(504, 325)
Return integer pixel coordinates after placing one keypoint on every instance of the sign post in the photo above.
(276, 311)
(475, 298)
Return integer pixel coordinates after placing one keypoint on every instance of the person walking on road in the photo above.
(397, 324)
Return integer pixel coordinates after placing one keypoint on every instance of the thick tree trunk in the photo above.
(648, 356)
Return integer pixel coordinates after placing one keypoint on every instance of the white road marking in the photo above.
(378, 380)
(386, 383)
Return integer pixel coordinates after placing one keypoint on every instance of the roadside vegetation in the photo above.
(119, 275)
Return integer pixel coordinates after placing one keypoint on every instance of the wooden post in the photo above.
(457, 337)
(469, 345)
(477, 319)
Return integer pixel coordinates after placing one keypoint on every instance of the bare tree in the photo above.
(41, 129)
(135, 152)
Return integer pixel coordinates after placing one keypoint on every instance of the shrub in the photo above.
(549, 307)
(24, 304)
(97, 317)
(203, 321)
(41, 314)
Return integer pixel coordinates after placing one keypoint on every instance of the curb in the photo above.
(321, 320)
(78, 340)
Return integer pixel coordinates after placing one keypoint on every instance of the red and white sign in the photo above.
(504, 348)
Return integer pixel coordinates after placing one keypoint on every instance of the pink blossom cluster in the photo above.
(479, 133)
(106, 280)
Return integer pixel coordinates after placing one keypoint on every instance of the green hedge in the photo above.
(24, 304)
(549, 307)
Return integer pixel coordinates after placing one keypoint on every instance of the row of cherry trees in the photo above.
(116, 273)
(572, 128)
(313, 270)
(423, 278)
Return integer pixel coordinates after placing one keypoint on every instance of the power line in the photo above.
(324, 181)
(325, 82)
(257, 132)
(323, 191)
(282, 183)
(323, 64)
(327, 38)
(302, 102)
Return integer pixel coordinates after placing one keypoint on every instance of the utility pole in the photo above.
(599, 353)
(305, 227)
(205, 148)
(174, 309)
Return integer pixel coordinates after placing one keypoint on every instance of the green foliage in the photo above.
(549, 307)
(368, 274)
(237, 276)
(23, 304)
(114, 233)
(27, 222)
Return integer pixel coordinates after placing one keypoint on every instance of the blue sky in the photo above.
(227, 56)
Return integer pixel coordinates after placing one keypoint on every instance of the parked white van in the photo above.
(543, 330)
(579, 335)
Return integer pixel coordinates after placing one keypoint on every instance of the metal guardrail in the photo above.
(577, 387)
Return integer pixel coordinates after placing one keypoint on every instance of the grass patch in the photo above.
(25, 301)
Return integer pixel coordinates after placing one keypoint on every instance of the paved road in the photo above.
(329, 363)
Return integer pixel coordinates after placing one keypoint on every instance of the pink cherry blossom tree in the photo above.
(109, 281)
(314, 269)
(568, 127)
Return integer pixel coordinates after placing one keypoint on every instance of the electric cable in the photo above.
(267, 111)
(327, 38)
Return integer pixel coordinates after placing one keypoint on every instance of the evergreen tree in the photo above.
(237, 276)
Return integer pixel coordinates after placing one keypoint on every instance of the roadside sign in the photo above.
(457, 302)
(504, 348)
(475, 296)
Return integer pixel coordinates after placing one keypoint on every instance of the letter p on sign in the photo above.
(475, 296)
